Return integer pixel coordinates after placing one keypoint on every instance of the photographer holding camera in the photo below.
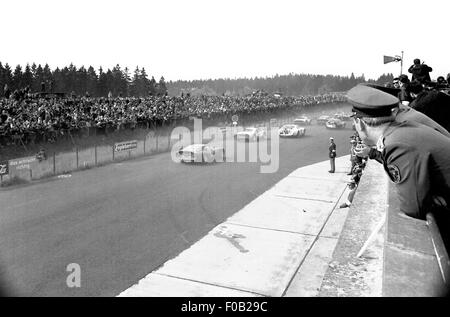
(420, 72)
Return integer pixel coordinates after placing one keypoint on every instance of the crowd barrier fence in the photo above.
(155, 141)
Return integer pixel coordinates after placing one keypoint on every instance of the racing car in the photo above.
(323, 119)
(302, 120)
(251, 134)
(335, 124)
(342, 116)
(201, 153)
(291, 130)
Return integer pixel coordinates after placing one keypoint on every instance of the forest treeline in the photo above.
(121, 82)
(288, 85)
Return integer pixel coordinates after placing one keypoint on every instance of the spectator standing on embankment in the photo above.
(415, 157)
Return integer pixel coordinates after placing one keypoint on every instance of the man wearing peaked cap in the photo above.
(402, 113)
(416, 157)
(371, 102)
(332, 154)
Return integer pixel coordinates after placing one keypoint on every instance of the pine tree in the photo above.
(162, 86)
(17, 78)
(7, 76)
(109, 79)
(27, 79)
(81, 81)
(47, 77)
(92, 82)
(127, 79)
(33, 72)
(71, 76)
(135, 82)
(102, 83)
(2, 78)
(152, 86)
(144, 83)
(120, 83)
(38, 78)
(59, 81)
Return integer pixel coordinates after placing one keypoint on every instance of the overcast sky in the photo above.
(201, 39)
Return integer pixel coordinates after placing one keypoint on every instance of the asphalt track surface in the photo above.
(121, 221)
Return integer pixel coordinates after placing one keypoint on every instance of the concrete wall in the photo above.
(410, 264)
(401, 259)
(349, 275)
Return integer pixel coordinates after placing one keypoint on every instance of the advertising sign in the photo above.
(4, 170)
(125, 146)
(24, 163)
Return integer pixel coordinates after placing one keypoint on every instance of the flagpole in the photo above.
(401, 65)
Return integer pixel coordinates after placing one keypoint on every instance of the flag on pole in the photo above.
(389, 59)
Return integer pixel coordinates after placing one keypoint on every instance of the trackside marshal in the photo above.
(125, 146)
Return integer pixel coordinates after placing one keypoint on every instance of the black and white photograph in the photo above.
(230, 155)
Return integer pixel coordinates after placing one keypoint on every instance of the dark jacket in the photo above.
(434, 104)
(416, 158)
(332, 150)
(406, 113)
(404, 95)
(420, 72)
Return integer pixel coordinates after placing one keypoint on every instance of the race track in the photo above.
(121, 221)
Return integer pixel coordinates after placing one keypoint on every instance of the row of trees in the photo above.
(291, 84)
(120, 82)
(81, 80)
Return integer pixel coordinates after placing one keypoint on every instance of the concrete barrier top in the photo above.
(280, 244)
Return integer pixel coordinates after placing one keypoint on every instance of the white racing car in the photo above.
(323, 120)
(201, 153)
(251, 134)
(335, 124)
(291, 130)
(343, 116)
(302, 120)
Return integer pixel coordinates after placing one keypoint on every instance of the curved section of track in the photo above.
(121, 221)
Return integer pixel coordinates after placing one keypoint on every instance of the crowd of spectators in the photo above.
(358, 165)
(25, 116)
(429, 97)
